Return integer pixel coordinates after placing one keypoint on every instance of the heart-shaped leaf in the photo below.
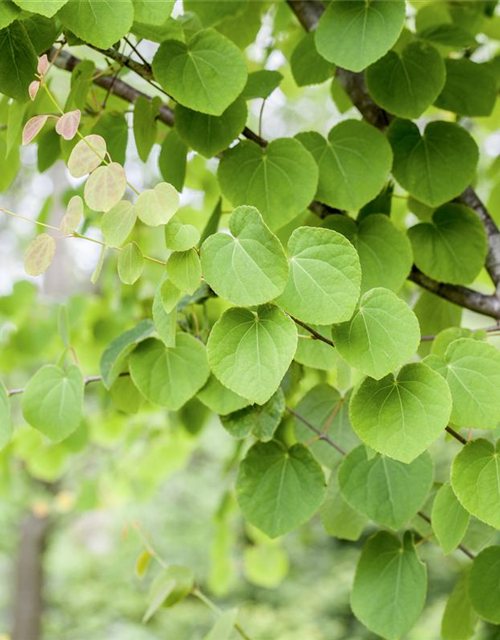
(87, 155)
(105, 187)
(157, 206)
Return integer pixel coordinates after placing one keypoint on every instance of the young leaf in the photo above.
(105, 187)
(184, 270)
(382, 334)
(181, 237)
(39, 254)
(387, 491)
(118, 222)
(5, 417)
(338, 518)
(53, 401)
(101, 24)
(86, 155)
(390, 585)
(166, 376)
(449, 519)
(401, 416)
(130, 263)
(483, 584)
(280, 179)
(261, 421)
(248, 266)
(165, 317)
(172, 585)
(325, 276)
(67, 125)
(206, 74)
(73, 216)
(250, 352)
(33, 127)
(279, 489)
(353, 33)
(157, 206)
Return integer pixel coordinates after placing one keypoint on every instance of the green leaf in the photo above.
(219, 399)
(279, 489)
(459, 619)
(280, 179)
(157, 206)
(114, 356)
(87, 155)
(172, 585)
(390, 585)
(39, 254)
(247, 266)
(184, 270)
(181, 237)
(338, 518)
(453, 247)
(130, 263)
(315, 353)
(224, 626)
(73, 216)
(113, 127)
(475, 478)
(208, 134)
(213, 12)
(353, 149)
(118, 222)
(165, 316)
(266, 564)
(470, 89)
(435, 167)
(99, 22)
(250, 352)
(8, 13)
(18, 62)
(53, 401)
(152, 12)
(308, 67)
(356, 33)
(47, 8)
(145, 127)
(472, 371)
(172, 160)
(324, 281)
(382, 334)
(401, 416)
(261, 84)
(261, 421)
(105, 187)
(449, 519)
(483, 584)
(444, 338)
(325, 409)
(406, 83)
(387, 491)
(126, 397)
(5, 417)
(385, 253)
(167, 376)
(206, 74)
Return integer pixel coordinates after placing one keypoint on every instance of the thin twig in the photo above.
(315, 334)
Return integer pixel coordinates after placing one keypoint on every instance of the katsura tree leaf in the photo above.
(219, 398)
(52, 402)
(435, 167)
(47, 8)
(184, 270)
(113, 127)
(181, 237)
(382, 334)
(130, 263)
(250, 351)
(87, 155)
(73, 216)
(400, 416)
(261, 84)
(170, 587)
(223, 626)
(325, 409)
(261, 421)
(18, 61)
(125, 395)
(167, 376)
(385, 253)
(316, 353)
(280, 179)
(483, 584)
(145, 126)
(279, 489)
(406, 83)
(114, 357)
(453, 247)
(118, 222)
(475, 478)
(387, 491)
(308, 67)
(33, 127)
(211, 12)
(353, 33)
(459, 618)
(39, 254)
(105, 187)
(157, 206)
(444, 338)
(338, 518)
(324, 280)
(449, 519)
(152, 12)
(8, 13)
(67, 125)
(172, 160)
(5, 417)
(205, 74)
(472, 371)
(390, 585)
(353, 163)
(101, 23)
(165, 313)
(247, 266)
(265, 564)
(208, 134)
(470, 89)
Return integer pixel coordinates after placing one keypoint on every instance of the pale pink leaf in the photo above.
(73, 217)
(32, 127)
(39, 254)
(87, 155)
(68, 124)
(33, 89)
(43, 64)
(105, 187)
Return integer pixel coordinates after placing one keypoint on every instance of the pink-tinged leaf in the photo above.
(33, 89)
(32, 127)
(105, 187)
(87, 155)
(43, 64)
(68, 124)
(73, 217)
(39, 254)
